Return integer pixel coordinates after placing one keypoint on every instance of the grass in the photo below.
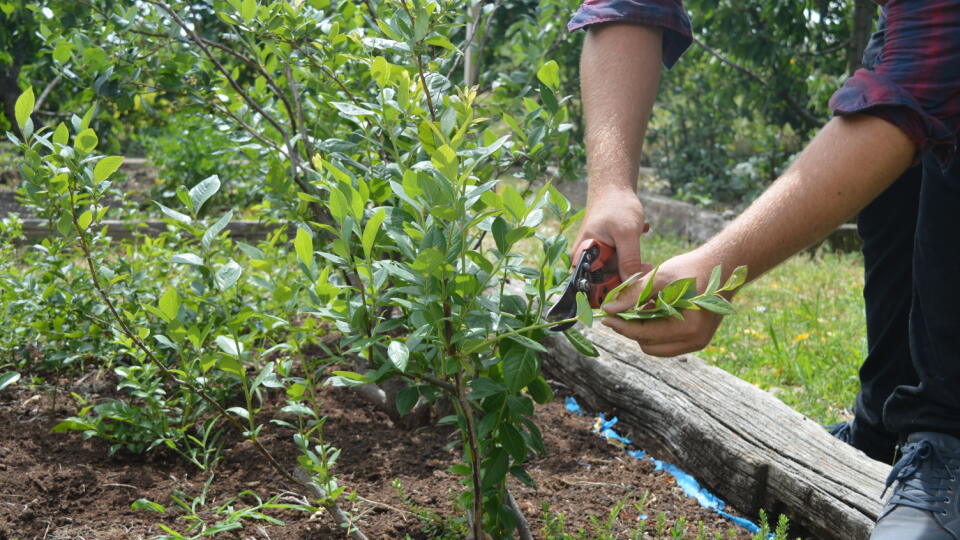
(799, 331)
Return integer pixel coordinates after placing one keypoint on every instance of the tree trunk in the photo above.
(740, 442)
(471, 53)
(9, 92)
(864, 12)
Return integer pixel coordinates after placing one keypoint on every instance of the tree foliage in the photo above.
(748, 93)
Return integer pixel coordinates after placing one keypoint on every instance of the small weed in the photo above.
(435, 525)
(204, 520)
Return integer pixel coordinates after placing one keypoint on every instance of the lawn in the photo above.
(799, 331)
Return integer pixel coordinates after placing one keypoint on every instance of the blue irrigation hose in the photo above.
(687, 483)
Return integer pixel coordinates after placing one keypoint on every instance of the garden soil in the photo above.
(59, 486)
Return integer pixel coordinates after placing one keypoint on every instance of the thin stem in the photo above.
(490, 341)
(294, 89)
(223, 71)
(423, 79)
(467, 410)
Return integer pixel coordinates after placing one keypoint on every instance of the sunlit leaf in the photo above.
(24, 107)
(105, 167)
(201, 192)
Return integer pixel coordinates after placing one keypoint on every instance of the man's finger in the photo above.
(650, 332)
(628, 255)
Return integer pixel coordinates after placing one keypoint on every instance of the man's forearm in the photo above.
(849, 163)
(619, 74)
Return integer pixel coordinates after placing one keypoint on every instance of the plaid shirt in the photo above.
(667, 14)
(914, 82)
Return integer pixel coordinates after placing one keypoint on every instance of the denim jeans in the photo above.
(910, 379)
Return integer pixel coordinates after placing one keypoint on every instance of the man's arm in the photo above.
(619, 74)
(851, 161)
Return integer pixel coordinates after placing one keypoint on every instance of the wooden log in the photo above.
(37, 229)
(737, 440)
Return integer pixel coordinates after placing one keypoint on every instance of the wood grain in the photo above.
(739, 441)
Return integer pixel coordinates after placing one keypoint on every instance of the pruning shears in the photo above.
(595, 273)
(589, 276)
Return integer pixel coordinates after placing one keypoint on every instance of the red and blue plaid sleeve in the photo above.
(915, 83)
(667, 14)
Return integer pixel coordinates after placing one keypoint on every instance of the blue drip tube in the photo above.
(687, 483)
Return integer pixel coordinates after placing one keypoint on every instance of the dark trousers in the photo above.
(910, 380)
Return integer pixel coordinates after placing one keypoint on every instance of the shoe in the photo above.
(878, 446)
(925, 500)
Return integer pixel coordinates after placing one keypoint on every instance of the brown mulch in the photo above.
(59, 486)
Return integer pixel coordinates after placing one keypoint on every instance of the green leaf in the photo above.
(214, 230)
(513, 202)
(494, 468)
(61, 135)
(84, 220)
(11, 377)
(187, 258)
(612, 295)
(484, 387)
(441, 41)
(371, 230)
(499, 229)
(87, 117)
(540, 391)
(521, 475)
(716, 304)
(520, 366)
(445, 160)
(169, 304)
(105, 167)
(399, 355)
(584, 311)
(648, 288)
(667, 307)
(380, 71)
(201, 192)
(527, 342)
(549, 74)
(227, 275)
(144, 504)
(248, 10)
(675, 290)
(240, 411)
(350, 109)
(429, 262)
(714, 282)
(511, 441)
(581, 343)
(303, 244)
(86, 141)
(72, 424)
(736, 279)
(61, 53)
(347, 378)
(229, 345)
(24, 107)
(406, 399)
(173, 214)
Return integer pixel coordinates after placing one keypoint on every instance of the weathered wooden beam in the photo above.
(739, 441)
(37, 229)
